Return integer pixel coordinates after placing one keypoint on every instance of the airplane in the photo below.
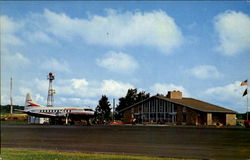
(56, 113)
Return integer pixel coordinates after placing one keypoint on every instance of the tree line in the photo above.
(103, 111)
(6, 108)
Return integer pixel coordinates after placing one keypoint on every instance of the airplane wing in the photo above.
(20, 110)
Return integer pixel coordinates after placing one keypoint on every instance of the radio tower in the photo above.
(51, 91)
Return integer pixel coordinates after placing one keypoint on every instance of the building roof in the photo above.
(191, 103)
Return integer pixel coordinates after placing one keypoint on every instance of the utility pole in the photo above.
(11, 104)
(113, 109)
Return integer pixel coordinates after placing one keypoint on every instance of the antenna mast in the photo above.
(51, 91)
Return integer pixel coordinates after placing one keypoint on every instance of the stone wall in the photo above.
(209, 119)
(230, 119)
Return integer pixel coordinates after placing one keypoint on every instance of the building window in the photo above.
(173, 110)
(168, 107)
(161, 109)
(161, 102)
(153, 109)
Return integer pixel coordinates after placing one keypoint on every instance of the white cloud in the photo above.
(40, 99)
(83, 88)
(230, 94)
(8, 29)
(78, 83)
(82, 102)
(151, 29)
(23, 91)
(204, 72)
(114, 88)
(118, 62)
(39, 36)
(16, 59)
(40, 85)
(163, 88)
(192, 25)
(233, 31)
(155, 29)
(55, 65)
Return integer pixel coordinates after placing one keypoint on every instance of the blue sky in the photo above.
(95, 48)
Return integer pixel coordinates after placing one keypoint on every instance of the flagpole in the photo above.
(247, 100)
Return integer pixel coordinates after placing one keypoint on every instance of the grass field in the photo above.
(17, 118)
(20, 154)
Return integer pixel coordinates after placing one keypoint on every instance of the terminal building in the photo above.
(179, 110)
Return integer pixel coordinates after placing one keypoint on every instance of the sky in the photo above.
(104, 48)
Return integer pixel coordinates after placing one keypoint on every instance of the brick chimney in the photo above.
(174, 94)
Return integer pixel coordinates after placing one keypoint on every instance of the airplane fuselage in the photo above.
(60, 111)
(72, 110)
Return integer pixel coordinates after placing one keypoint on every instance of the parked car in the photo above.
(247, 123)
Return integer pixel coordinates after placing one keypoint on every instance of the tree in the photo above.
(142, 95)
(103, 110)
(131, 98)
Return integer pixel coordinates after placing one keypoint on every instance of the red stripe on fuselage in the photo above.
(33, 104)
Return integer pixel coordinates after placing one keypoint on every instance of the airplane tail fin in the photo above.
(29, 102)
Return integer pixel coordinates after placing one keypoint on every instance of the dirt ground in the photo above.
(180, 142)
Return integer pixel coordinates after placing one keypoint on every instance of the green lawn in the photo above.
(20, 154)
(4, 115)
(17, 119)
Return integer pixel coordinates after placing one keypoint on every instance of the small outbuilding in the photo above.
(176, 109)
